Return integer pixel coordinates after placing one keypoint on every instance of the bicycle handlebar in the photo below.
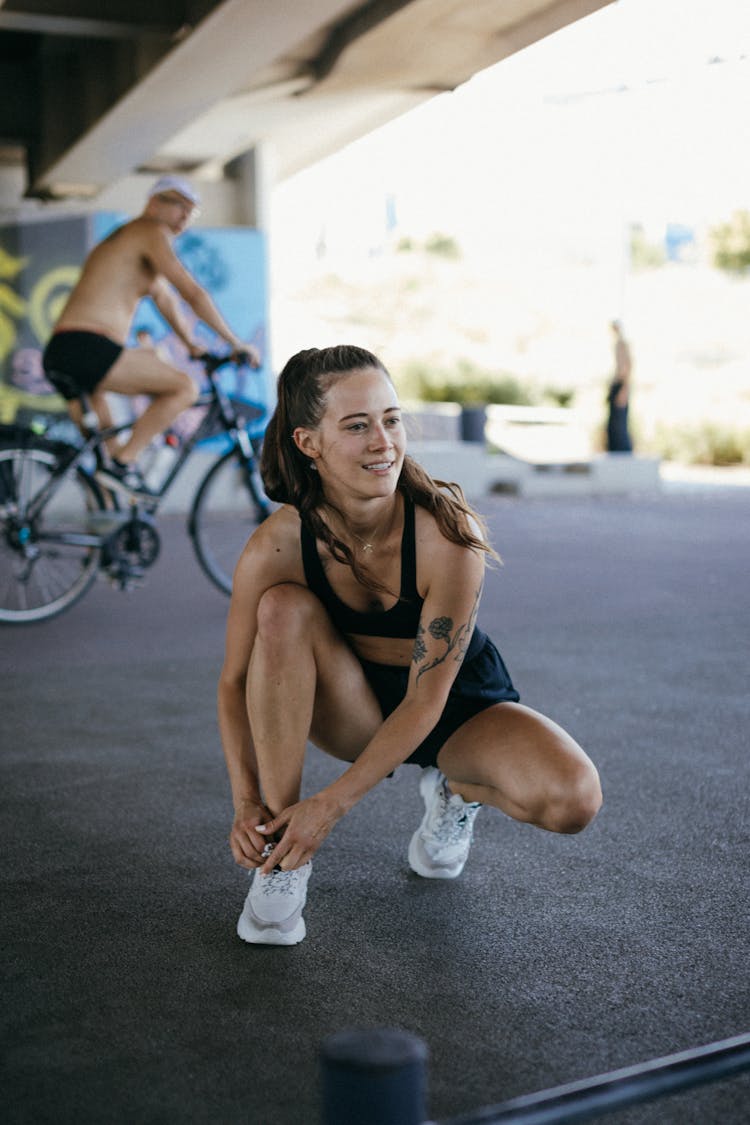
(212, 362)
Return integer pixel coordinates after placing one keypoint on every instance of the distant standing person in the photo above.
(86, 353)
(618, 397)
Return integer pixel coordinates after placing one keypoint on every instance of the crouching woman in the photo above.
(353, 625)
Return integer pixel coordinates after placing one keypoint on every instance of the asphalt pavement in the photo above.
(128, 998)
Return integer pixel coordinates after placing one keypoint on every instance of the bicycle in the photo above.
(59, 527)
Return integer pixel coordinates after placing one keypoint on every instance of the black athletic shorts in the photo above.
(76, 362)
(482, 681)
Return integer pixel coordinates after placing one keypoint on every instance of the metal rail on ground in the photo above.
(379, 1078)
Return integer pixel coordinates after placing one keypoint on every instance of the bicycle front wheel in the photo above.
(228, 507)
(47, 559)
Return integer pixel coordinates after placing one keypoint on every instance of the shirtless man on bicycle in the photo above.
(86, 353)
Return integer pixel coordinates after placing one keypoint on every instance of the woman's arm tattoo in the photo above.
(441, 629)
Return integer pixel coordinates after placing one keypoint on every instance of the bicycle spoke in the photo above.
(224, 516)
(41, 571)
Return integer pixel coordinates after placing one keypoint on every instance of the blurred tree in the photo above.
(444, 245)
(731, 243)
(645, 254)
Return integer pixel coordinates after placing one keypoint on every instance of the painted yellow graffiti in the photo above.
(43, 306)
(10, 267)
(48, 297)
(12, 306)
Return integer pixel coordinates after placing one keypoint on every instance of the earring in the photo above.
(312, 466)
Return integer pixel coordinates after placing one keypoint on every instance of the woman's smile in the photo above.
(380, 468)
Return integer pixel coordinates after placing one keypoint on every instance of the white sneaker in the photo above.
(440, 846)
(272, 914)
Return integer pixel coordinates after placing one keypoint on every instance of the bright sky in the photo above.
(621, 117)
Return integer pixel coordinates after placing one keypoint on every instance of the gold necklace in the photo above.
(366, 547)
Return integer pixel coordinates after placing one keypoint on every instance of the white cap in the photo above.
(178, 184)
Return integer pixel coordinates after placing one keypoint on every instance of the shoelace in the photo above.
(282, 883)
(453, 821)
(278, 882)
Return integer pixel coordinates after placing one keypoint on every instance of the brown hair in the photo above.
(289, 479)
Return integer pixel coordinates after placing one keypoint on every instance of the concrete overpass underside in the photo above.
(95, 94)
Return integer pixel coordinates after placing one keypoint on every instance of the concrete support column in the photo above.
(252, 177)
(12, 187)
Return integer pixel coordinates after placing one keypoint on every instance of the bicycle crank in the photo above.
(130, 550)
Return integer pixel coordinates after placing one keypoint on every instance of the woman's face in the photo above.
(359, 446)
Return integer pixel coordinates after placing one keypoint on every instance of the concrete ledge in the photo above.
(539, 434)
(479, 472)
(465, 462)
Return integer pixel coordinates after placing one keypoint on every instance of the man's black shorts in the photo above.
(76, 362)
(482, 680)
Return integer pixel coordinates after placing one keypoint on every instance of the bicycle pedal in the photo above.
(125, 577)
(127, 585)
(131, 584)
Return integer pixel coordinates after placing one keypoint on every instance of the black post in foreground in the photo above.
(593, 1097)
(375, 1077)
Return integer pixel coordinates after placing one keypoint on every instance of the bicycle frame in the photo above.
(63, 467)
(122, 531)
(220, 409)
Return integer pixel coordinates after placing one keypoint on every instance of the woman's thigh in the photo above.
(303, 668)
(346, 714)
(525, 764)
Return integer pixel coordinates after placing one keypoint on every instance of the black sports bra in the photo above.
(399, 621)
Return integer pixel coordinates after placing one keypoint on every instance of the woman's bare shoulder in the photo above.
(428, 533)
(279, 532)
(274, 546)
(435, 553)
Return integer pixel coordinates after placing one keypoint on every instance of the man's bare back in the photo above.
(87, 354)
(118, 273)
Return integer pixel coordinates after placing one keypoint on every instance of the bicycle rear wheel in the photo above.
(228, 507)
(47, 561)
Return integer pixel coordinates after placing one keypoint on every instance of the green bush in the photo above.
(559, 396)
(443, 245)
(464, 383)
(644, 254)
(708, 444)
(731, 243)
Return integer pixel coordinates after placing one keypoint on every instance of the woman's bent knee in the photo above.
(573, 808)
(286, 611)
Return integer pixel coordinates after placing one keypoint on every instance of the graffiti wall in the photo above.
(39, 264)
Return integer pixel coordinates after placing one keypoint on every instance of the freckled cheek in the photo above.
(335, 450)
(335, 446)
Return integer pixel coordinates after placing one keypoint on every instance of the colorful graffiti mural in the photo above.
(39, 265)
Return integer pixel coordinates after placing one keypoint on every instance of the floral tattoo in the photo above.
(442, 629)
